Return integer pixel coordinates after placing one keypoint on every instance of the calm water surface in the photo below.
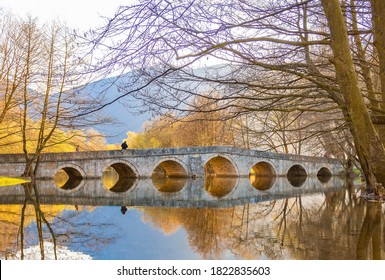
(212, 218)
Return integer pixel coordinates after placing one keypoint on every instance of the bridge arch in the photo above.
(296, 175)
(119, 176)
(169, 175)
(170, 168)
(69, 176)
(220, 166)
(324, 174)
(262, 175)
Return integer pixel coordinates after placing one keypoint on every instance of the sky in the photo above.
(82, 15)
(77, 14)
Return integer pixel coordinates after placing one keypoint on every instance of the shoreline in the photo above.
(9, 181)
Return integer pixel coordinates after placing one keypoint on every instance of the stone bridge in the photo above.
(194, 162)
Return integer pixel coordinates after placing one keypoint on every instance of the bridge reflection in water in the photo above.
(174, 192)
(310, 218)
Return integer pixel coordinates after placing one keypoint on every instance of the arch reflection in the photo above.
(262, 183)
(296, 175)
(118, 177)
(68, 178)
(219, 186)
(324, 175)
(262, 176)
(169, 185)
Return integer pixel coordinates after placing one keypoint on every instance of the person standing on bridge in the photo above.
(124, 145)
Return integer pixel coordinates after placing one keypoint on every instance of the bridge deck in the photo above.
(173, 162)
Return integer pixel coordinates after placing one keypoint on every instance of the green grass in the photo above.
(6, 181)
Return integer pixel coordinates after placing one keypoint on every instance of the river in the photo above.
(211, 218)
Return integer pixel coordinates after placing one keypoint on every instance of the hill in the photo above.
(124, 114)
(127, 113)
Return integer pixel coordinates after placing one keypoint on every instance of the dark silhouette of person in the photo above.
(124, 145)
(123, 209)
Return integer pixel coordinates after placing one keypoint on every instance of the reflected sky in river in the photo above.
(193, 219)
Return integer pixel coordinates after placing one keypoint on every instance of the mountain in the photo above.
(123, 112)
(127, 112)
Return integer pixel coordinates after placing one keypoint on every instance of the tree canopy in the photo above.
(319, 57)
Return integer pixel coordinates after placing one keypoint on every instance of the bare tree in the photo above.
(40, 77)
(48, 56)
(11, 66)
(286, 56)
(368, 144)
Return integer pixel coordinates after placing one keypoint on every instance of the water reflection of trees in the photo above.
(19, 221)
(342, 227)
(334, 225)
(213, 232)
(31, 197)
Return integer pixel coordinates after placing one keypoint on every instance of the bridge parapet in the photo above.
(165, 151)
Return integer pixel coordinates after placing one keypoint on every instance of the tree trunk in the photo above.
(28, 170)
(378, 18)
(369, 148)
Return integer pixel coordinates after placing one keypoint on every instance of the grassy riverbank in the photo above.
(6, 181)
